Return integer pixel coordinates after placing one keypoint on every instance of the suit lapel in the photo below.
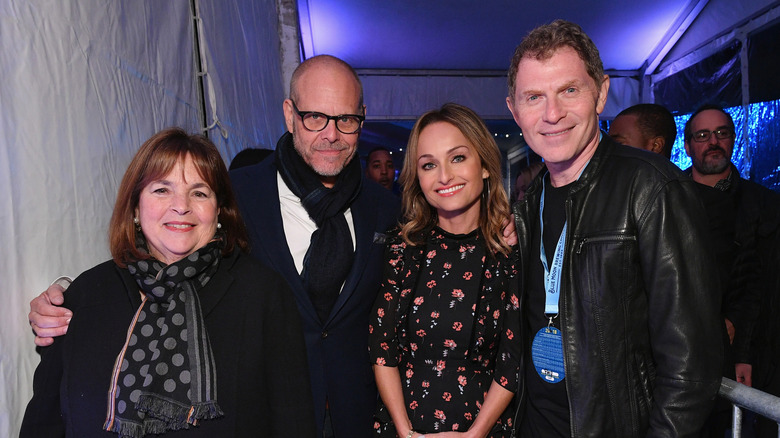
(269, 234)
(269, 243)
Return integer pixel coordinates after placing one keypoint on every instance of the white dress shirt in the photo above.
(298, 226)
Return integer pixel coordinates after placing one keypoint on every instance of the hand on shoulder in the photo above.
(47, 318)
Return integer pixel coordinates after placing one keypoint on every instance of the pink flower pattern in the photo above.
(446, 343)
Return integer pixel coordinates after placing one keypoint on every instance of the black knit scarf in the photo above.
(330, 253)
(165, 378)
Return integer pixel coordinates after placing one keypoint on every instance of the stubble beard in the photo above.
(711, 165)
(307, 157)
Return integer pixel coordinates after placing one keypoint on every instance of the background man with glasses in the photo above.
(743, 221)
(709, 141)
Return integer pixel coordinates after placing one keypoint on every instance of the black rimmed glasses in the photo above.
(315, 122)
(720, 134)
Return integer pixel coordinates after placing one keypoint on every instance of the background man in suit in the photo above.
(311, 218)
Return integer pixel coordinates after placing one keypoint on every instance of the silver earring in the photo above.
(136, 221)
(219, 225)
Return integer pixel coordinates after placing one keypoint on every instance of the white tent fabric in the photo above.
(391, 97)
(244, 88)
(84, 83)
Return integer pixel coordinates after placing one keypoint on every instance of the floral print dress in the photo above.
(439, 318)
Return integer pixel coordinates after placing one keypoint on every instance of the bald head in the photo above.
(328, 86)
(324, 63)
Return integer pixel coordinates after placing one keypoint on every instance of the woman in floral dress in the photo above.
(444, 329)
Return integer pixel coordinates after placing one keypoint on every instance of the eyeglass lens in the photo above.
(317, 122)
(705, 135)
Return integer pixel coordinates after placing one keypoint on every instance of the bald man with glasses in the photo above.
(312, 218)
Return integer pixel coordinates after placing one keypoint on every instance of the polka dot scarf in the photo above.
(164, 378)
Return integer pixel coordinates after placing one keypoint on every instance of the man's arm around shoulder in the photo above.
(47, 317)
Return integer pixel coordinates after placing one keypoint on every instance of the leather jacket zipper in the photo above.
(562, 304)
(614, 237)
(603, 238)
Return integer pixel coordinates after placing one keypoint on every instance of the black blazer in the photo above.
(337, 349)
(255, 333)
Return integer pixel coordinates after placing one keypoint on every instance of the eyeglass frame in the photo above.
(328, 118)
(719, 134)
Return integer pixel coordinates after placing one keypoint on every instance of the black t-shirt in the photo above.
(547, 412)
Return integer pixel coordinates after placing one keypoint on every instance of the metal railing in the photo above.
(745, 397)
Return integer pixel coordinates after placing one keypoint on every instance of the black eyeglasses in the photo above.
(720, 134)
(315, 122)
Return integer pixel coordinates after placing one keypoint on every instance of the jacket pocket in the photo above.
(606, 269)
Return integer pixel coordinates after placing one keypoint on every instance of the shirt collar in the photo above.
(725, 184)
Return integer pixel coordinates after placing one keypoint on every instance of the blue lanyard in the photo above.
(552, 277)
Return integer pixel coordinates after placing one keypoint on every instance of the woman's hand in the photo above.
(388, 382)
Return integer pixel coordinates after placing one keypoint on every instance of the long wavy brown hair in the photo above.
(418, 214)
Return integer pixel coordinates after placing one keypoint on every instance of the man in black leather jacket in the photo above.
(619, 241)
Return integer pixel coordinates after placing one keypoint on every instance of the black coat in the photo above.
(255, 334)
(757, 225)
(337, 348)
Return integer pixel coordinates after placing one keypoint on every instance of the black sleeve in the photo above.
(286, 365)
(43, 416)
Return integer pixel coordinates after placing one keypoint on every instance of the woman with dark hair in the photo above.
(444, 355)
(181, 330)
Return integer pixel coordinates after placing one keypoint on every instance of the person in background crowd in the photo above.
(647, 126)
(443, 358)
(181, 330)
(745, 222)
(616, 276)
(380, 167)
(524, 178)
(248, 157)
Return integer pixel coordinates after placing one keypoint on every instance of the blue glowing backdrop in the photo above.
(756, 146)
